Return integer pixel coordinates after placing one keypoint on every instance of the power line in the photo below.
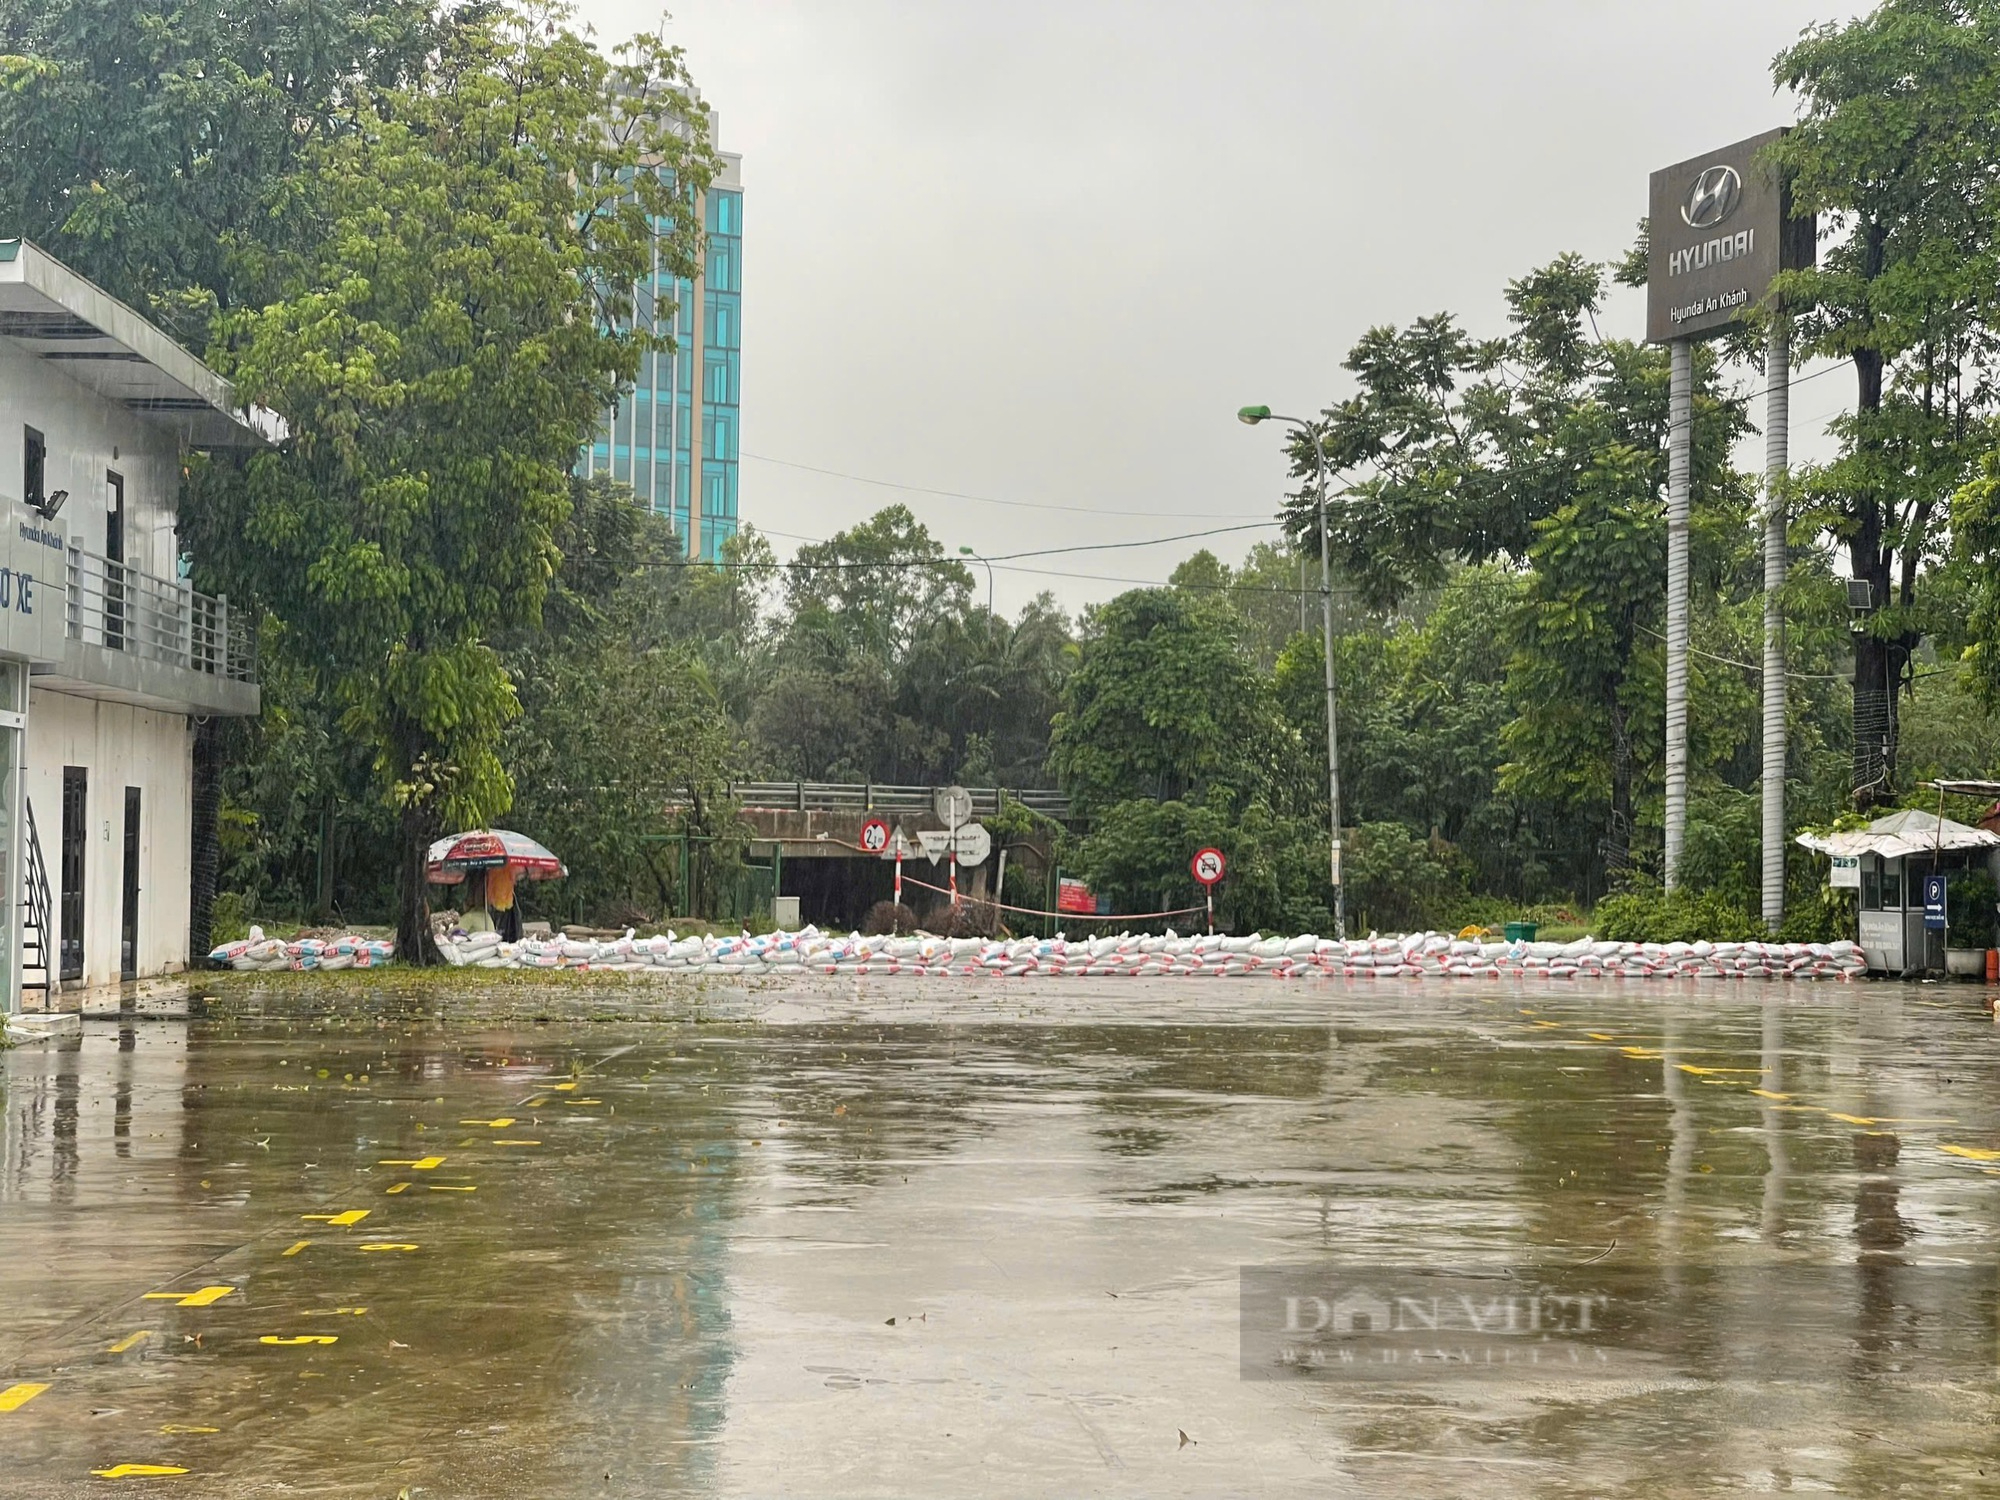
(921, 489)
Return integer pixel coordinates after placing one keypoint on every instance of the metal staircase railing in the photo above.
(37, 926)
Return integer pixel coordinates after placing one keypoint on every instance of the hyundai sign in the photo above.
(1720, 228)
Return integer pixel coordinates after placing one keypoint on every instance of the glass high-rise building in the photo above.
(673, 436)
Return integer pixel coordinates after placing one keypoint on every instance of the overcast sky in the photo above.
(1041, 252)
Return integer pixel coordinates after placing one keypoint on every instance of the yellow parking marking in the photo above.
(397, 1187)
(1767, 1094)
(1647, 1053)
(500, 1124)
(16, 1396)
(535, 1103)
(337, 1312)
(387, 1245)
(1600, 1036)
(563, 1087)
(301, 1338)
(130, 1341)
(1550, 1025)
(455, 1189)
(517, 1143)
(1970, 1153)
(176, 1427)
(340, 1220)
(139, 1471)
(200, 1298)
(416, 1164)
(295, 1247)
(1885, 1119)
(1703, 1072)
(600, 1101)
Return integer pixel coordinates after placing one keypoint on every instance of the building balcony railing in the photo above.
(116, 606)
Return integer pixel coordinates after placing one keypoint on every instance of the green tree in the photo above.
(148, 143)
(869, 590)
(1165, 704)
(1898, 151)
(1545, 451)
(449, 322)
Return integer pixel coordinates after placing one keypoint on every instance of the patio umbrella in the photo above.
(490, 849)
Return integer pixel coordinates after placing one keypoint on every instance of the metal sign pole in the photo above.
(1777, 457)
(1210, 895)
(899, 871)
(954, 855)
(1680, 451)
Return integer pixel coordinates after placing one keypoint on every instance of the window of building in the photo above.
(722, 266)
(1871, 884)
(34, 466)
(1892, 889)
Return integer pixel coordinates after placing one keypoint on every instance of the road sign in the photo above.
(874, 836)
(953, 804)
(1846, 874)
(974, 844)
(935, 841)
(1208, 865)
(1934, 903)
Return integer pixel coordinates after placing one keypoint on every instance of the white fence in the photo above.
(118, 607)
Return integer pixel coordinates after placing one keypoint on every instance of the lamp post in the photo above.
(968, 552)
(1250, 416)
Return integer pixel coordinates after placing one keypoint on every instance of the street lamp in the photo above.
(968, 552)
(1250, 416)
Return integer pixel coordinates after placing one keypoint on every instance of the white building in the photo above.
(107, 658)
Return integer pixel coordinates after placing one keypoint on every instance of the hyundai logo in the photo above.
(1712, 198)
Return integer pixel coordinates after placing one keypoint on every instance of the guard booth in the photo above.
(1885, 864)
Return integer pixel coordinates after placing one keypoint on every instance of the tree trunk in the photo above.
(205, 837)
(416, 828)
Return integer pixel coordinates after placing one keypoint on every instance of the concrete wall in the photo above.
(86, 437)
(121, 747)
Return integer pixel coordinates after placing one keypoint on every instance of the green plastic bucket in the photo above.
(1521, 932)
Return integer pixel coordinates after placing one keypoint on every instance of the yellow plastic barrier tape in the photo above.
(386, 1245)
(139, 1471)
(295, 1247)
(20, 1395)
(173, 1428)
(200, 1298)
(563, 1087)
(397, 1187)
(340, 1220)
(500, 1124)
(454, 1189)
(417, 1164)
(517, 1143)
(300, 1338)
(337, 1312)
(130, 1341)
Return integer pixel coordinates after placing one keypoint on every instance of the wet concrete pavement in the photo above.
(966, 1237)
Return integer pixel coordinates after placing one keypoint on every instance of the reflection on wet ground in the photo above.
(943, 1237)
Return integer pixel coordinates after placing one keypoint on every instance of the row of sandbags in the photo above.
(1413, 956)
(258, 953)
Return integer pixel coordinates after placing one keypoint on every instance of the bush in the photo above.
(231, 919)
(1970, 895)
(1397, 882)
(1678, 916)
(967, 919)
(889, 917)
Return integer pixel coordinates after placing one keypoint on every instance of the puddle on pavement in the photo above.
(940, 1238)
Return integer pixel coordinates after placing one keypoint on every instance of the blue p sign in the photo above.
(1934, 903)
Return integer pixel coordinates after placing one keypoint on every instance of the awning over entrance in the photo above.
(1900, 834)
